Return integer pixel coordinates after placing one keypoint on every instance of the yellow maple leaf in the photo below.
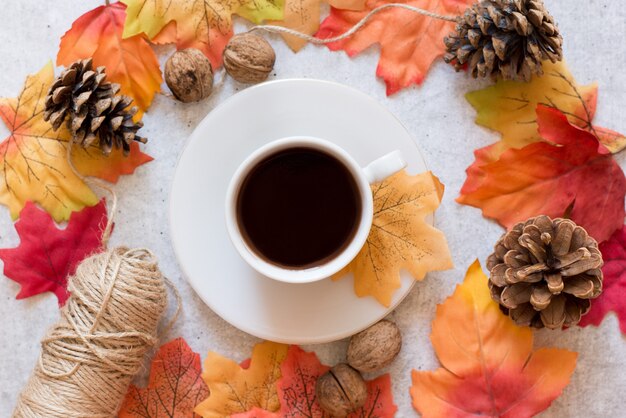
(400, 238)
(304, 16)
(202, 24)
(509, 107)
(235, 389)
(33, 158)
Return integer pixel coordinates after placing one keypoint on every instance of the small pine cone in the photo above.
(92, 107)
(510, 38)
(544, 272)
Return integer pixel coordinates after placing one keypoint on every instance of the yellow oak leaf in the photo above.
(489, 367)
(202, 24)
(304, 16)
(509, 107)
(33, 158)
(235, 388)
(400, 238)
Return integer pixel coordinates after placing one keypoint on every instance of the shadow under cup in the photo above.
(298, 207)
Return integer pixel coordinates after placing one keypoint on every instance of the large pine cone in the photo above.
(92, 107)
(510, 38)
(544, 272)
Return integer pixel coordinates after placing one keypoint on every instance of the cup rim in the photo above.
(315, 273)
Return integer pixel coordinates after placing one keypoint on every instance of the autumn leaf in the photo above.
(130, 62)
(613, 297)
(175, 386)
(296, 391)
(33, 158)
(202, 24)
(409, 42)
(304, 16)
(509, 108)
(488, 364)
(234, 389)
(400, 238)
(570, 170)
(47, 255)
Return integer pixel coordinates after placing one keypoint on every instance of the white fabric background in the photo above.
(442, 123)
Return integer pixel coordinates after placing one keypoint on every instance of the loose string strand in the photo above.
(353, 29)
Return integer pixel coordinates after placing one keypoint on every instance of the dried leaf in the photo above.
(47, 255)
(400, 239)
(304, 16)
(409, 42)
(613, 297)
(202, 24)
(129, 62)
(235, 389)
(509, 107)
(34, 157)
(489, 367)
(546, 177)
(175, 386)
(296, 390)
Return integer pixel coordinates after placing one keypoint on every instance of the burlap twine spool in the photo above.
(90, 356)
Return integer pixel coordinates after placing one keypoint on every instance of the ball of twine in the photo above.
(90, 356)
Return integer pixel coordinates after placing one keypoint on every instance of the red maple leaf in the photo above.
(175, 386)
(47, 255)
(570, 169)
(613, 297)
(296, 391)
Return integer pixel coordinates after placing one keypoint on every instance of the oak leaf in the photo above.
(569, 172)
(613, 297)
(488, 364)
(400, 237)
(296, 391)
(304, 16)
(130, 62)
(409, 42)
(202, 24)
(47, 255)
(33, 158)
(235, 389)
(175, 386)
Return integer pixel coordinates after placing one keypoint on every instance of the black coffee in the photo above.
(299, 207)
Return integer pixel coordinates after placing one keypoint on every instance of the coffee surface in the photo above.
(299, 207)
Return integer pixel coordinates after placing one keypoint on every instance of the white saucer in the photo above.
(291, 313)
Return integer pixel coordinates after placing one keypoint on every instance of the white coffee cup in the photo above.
(376, 171)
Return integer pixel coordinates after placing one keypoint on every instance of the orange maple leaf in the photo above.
(130, 62)
(409, 42)
(33, 158)
(400, 238)
(489, 367)
(304, 16)
(569, 172)
(175, 386)
(235, 389)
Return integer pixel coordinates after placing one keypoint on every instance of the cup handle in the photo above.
(384, 167)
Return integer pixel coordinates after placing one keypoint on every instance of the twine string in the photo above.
(353, 29)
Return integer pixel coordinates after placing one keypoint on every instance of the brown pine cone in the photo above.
(510, 38)
(544, 272)
(93, 108)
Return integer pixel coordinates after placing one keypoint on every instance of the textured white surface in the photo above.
(441, 122)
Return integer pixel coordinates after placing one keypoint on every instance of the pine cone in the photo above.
(92, 107)
(544, 272)
(510, 38)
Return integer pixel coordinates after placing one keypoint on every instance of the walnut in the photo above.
(248, 58)
(375, 348)
(341, 391)
(188, 73)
